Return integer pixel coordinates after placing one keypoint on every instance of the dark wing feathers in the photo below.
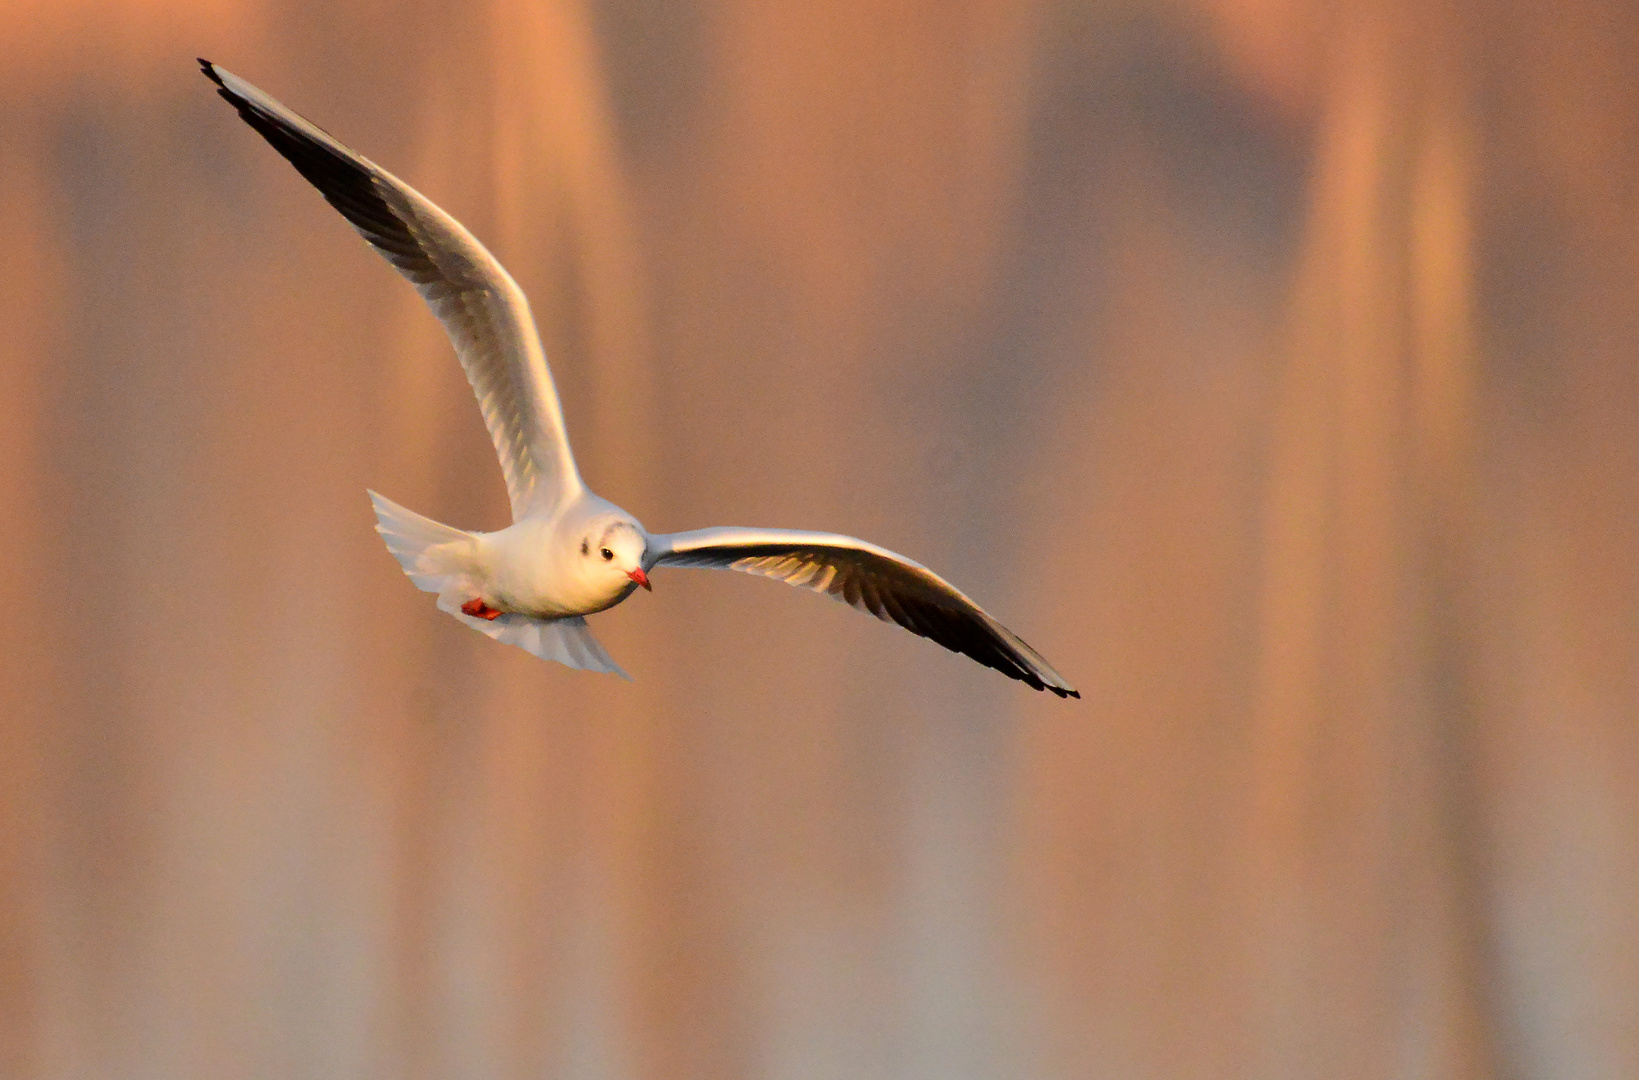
(344, 182)
(872, 579)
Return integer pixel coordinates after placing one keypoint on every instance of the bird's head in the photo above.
(615, 547)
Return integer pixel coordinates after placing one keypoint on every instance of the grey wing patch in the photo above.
(792, 569)
(876, 581)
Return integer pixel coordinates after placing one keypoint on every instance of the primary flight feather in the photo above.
(569, 553)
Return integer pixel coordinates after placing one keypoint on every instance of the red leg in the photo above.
(479, 610)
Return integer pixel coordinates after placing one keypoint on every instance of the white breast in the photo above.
(532, 569)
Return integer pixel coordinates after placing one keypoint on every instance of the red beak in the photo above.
(641, 578)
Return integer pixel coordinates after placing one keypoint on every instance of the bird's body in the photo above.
(568, 552)
(535, 566)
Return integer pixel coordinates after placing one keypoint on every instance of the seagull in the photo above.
(569, 553)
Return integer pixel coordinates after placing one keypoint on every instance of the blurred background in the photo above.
(1270, 365)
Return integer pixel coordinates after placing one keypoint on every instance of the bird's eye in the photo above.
(607, 554)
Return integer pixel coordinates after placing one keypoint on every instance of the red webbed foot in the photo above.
(479, 610)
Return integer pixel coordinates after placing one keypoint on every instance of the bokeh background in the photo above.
(1270, 365)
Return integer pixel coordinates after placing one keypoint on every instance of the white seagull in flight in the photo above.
(569, 553)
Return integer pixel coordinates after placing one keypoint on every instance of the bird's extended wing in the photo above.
(872, 579)
(481, 307)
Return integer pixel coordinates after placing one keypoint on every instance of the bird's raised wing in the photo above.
(873, 579)
(481, 307)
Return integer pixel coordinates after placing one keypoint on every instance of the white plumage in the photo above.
(569, 553)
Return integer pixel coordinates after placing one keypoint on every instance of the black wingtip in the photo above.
(221, 87)
(1035, 683)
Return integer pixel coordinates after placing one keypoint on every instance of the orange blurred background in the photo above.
(1271, 366)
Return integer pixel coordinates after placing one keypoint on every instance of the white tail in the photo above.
(438, 559)
(413, 540)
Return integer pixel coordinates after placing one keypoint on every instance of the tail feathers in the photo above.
(414, 541)
(437, 558)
